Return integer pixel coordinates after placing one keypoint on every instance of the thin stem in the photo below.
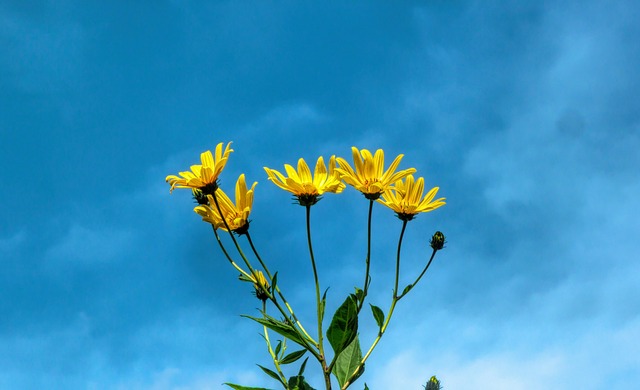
(395, 285)
(275, 302)
(394, 301)
(365, 287)
(284, 300)
(433, 254)
(276, 363)
(233, 238)
(317, 283)
(255, 252)
(236, 266)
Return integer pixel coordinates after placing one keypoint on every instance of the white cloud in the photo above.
(586, 361)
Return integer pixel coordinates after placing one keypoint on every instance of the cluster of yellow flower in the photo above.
(396, 189)
(399, 191)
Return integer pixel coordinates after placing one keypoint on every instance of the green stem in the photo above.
(233, 263)
(394, 301)
(433, 254)
(365, 287)
(284, 300)
(317, 283)
(395, 285)
(276, 363)
(271, 297)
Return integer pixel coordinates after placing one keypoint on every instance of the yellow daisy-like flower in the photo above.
(236, 215)
(306, 188)
(203, 177)
(405, 198)
(369, 176)
(260, 285)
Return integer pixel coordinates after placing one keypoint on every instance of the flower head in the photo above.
(369, 176)
(236, 215)
(306, 188)
(260, 285)
(405, 198)
(203, 177)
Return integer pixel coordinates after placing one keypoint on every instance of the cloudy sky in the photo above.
(525, 114)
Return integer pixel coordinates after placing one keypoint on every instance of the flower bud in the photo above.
(261, 286)
(437, 241)
(433, 384)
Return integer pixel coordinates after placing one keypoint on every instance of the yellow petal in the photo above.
(304, 172)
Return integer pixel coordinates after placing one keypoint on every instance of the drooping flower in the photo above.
(260, 285)
(369, 176)
(306, 188)
(203, 177)
(236, 215)
(405, 198)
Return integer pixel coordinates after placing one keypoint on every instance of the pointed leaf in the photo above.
(293, 356)
(378, 315)
(347, 363)
(407, 289)
(323, 304)
(270, 373)
(344, 325)
(238, 387)
(280, 327)
(366, 387)
(274, 283)
(278, 347)
(304, 364)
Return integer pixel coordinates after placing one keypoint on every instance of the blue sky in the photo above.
(526, 114)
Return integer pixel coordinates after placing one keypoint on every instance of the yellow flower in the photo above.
(405, 198)
(236, 215)
(306, 188)
(261, 285)
(368, 176)
(203, 177)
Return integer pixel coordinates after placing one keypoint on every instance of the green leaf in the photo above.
(378, 314)
(238, 387)
(366, 387)
(270, 373)
(298, 383)
(280, 327)
(293, 356)
(323, 304)
(347, 363)
(304, 364)
(407, 289)
(274, 283)
(278, 348)
(344, 325)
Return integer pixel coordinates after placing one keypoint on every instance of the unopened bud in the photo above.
(437, 241)
(433, 384)
(260, 285)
